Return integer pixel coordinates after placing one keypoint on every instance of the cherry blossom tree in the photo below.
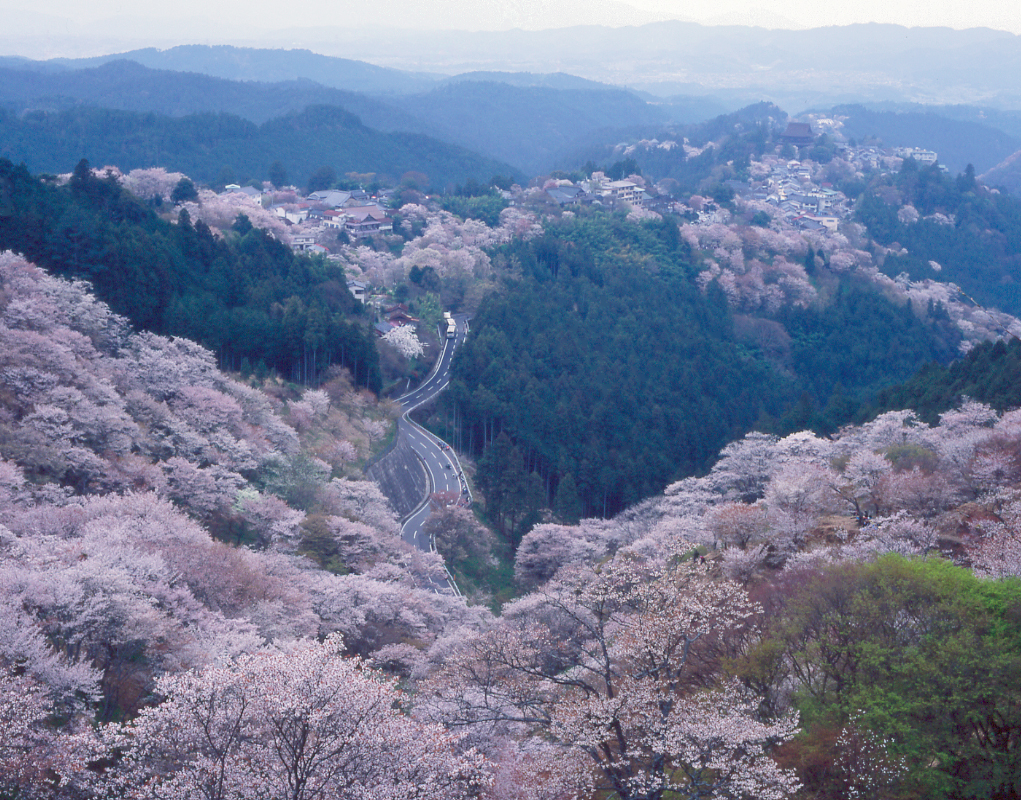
(308, 724)
(548, 547)
(405, 341)
(360, 501)
(35, 759)
(907, 214)
(859, 483)
(738, 524)
(268, 518)
(797, 495)
(24, 648)
(866, 767)
(203, 491)
(744, 467)
(458, 536)
(535, 770)
(997, 551)
(149, 184)
(219, 211)
(612, 665)
(741, 566)
(898, 533)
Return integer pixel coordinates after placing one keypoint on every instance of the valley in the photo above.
(513, 434)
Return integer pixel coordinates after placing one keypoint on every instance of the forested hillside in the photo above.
(247, 295)
(723, 147)
(722, 587)
(972, 236)
(607, 367)
(598, 368)
(990, 373)
(156, 517)
(142, 655)
(205, 145)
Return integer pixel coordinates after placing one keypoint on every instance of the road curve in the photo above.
(442, 468)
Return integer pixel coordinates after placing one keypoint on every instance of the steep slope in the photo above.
(246, 294)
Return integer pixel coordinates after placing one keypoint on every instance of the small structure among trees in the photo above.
(798, 134)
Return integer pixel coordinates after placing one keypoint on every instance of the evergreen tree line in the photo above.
(989, 373)
(245, 295)
(600, 373)
(844, 354)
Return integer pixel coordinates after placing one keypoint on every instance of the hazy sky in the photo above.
(43, 28)
(1000, 14)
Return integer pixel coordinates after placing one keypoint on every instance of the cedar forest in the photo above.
(748, 518)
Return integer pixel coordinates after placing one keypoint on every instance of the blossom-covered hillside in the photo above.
(158, 516)
(884, 561)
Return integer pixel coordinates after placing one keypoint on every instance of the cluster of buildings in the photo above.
(597, 190)
(922, 156)
(790, 186)
(809, 205)
(330, 211)
(805, 204)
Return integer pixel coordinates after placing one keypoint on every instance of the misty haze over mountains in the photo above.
(536, 99)
(794, 68)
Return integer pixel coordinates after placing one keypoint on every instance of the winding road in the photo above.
(436, 459)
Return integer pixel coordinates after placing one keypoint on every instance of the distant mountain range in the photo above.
(793, 68)
(127, 85)
(523, 120)
(270, 66)
(531, 121)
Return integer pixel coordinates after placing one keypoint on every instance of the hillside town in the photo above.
(792, 201)
(800, 192)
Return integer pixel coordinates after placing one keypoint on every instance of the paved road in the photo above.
(442, 469)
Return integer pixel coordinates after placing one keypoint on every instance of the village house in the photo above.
(399, 315)
(330, 198)
(922, 156)
(302, 242)
(623, 191)
(247, 191)
(295, 215)
(339, 198)
(334, 219)
(366, 221)
(566, 195)
(358, 289)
